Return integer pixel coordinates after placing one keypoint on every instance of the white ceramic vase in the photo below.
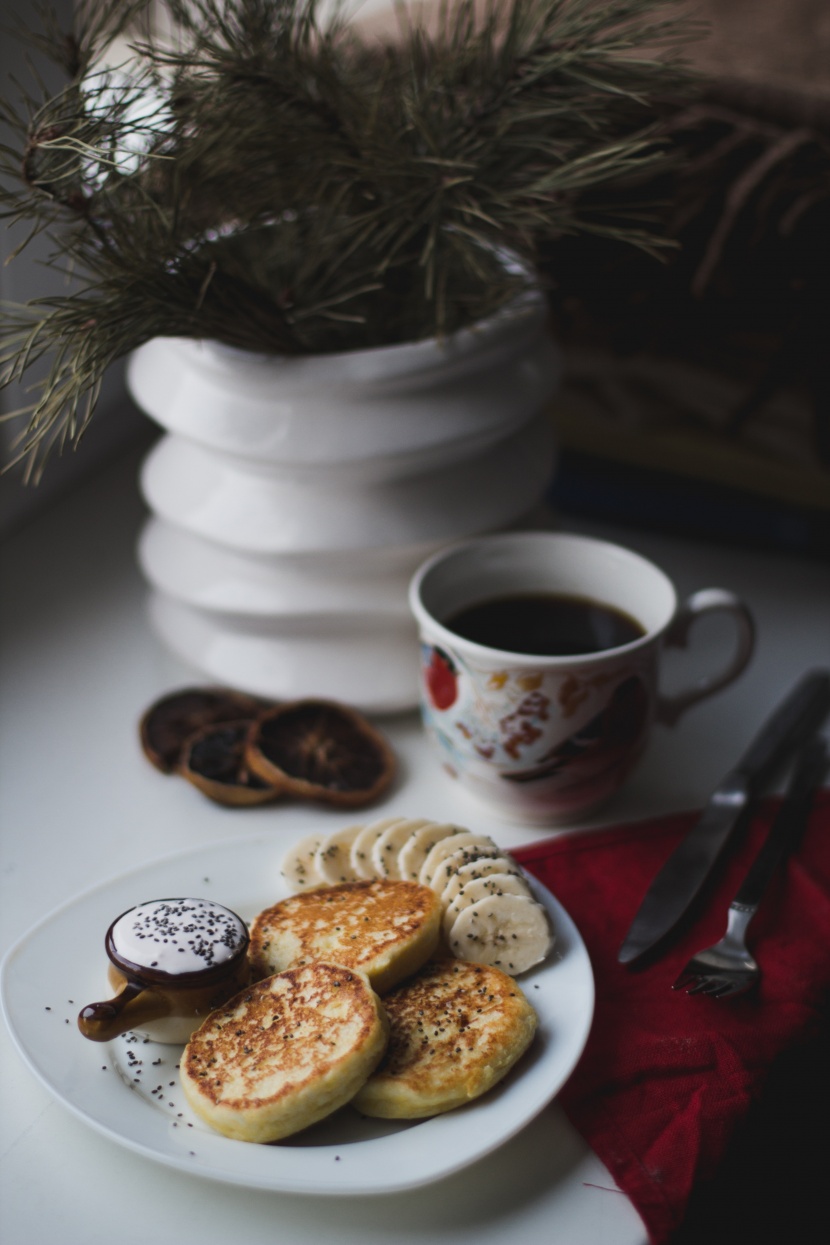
(292, 499)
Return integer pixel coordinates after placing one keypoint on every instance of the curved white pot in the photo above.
(292, 499)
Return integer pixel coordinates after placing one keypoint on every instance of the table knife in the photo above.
(677, 884)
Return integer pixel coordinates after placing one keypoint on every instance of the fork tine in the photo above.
(691, 980)
(703, 985)
(715, 987)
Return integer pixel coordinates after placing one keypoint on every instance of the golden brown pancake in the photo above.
(386, 929)
(284, 1053)
(455, 1029)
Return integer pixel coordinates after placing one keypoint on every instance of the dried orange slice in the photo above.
(214, 761)
(172, 719)
(321, 750)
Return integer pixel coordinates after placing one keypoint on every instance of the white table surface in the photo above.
(79, 803)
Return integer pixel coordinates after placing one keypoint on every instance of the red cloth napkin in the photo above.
(666, 1078)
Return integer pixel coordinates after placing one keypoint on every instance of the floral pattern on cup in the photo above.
(501, 719)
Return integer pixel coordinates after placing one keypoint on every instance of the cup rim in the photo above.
(452, 640)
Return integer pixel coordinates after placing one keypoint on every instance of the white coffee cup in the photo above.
(545, 738)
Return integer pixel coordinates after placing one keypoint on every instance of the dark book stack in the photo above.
(697, 393)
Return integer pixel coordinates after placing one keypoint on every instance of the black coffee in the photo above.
(545, 624)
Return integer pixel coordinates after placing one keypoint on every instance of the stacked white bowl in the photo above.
(292, 499)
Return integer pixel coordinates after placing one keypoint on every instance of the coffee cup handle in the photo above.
(132, 1007)
(707, 601)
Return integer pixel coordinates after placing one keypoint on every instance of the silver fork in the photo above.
(727, 967)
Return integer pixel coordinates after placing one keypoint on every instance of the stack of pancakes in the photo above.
(355, 1000)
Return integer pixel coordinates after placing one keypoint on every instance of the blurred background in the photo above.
(696, 396)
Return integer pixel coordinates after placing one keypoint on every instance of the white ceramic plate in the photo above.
(129, 1089)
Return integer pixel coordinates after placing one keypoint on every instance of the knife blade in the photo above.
(682, 876)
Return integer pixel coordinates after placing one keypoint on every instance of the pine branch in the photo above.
(284, 184)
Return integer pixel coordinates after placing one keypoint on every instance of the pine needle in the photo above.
(283, 184)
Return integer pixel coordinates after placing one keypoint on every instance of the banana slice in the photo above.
(480, 888)
(361, 852)
(448, 867)
(414, 852)
(386, 849)
(299, 869)
(511, 932)
(480, 867)
(332, 860)
(436, 869)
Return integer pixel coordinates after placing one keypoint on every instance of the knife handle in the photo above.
(798, 716)
(792, 817)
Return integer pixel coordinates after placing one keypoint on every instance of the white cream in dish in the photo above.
(171, 963)
(177, 935)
